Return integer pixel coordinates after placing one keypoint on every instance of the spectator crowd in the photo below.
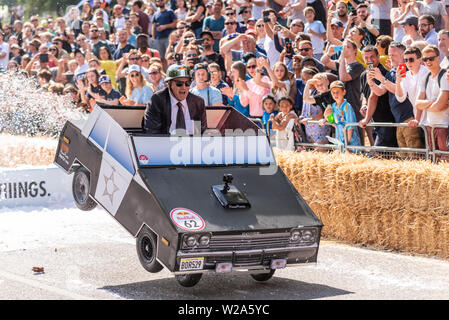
(288, 63)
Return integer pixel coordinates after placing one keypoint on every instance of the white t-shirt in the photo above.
(257, 11)
(317, 42)
(432, 91)
(284, 138)
(410, 88)
(4, 47)
(272, 54)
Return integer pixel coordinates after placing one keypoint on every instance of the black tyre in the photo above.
(189, 280)
(146, 245)
(263, 276)
(81, 190)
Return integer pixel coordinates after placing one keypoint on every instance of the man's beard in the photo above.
(207, 47)
(342, 15)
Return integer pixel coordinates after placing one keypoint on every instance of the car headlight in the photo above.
(303, 236)
(190, 241)
(204, 240)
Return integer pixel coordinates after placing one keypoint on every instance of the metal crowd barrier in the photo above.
(437, 154)
(389, 152)
(426, 153)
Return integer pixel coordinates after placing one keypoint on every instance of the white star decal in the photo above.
(115, 188)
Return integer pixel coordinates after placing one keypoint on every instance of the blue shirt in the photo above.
(344, 114)
(235, 102)
(214, 25)
(141, 95)
(401, 110)
(210, 95)
(266, 117)
(162, 18)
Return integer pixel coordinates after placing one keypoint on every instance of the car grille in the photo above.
(253, 242)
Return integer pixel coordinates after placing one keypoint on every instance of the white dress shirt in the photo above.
(174, 114)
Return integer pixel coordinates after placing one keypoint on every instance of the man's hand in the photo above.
(413, 123)
(161, 28)
(377, 74)
(363, 123)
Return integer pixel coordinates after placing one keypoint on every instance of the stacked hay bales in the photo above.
(388, 204)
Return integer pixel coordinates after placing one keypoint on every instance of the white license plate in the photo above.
(191, 264)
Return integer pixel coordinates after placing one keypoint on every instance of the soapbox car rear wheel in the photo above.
(263, 276)
(146, 245)
(188, 280)
(81, 190)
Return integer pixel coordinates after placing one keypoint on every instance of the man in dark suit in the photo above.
(174, 107)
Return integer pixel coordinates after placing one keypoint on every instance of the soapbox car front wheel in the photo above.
(146, 245)
(263, 276)
(81, 190)
(188, 280)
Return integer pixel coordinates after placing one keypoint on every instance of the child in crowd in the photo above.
(342, 113)
(316, 98)
(269, 105)
(283, 123)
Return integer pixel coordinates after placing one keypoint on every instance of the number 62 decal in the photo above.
(187, 219)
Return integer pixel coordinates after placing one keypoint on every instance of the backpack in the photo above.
(440, 75)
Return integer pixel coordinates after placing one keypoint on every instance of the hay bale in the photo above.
(386, 204)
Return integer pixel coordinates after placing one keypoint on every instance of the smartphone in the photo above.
(265, 17)
(402, 69)
(370, 65)
(338, 48)
(199, 41)
(43, 57)
(288, 46)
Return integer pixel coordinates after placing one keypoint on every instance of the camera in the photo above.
(178, 58)
(199, 41)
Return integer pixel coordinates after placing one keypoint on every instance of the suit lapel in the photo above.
(168, 106)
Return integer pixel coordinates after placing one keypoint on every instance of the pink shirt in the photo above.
(254, 96)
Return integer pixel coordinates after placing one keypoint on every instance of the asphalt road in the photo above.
(90, 256)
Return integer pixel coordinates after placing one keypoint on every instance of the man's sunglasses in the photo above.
(93, 30)
(153, 73)
(191, 55)
(230, 14)
(182, 83)
(251, 66)
(409, 60)
(425, 59)
(229, 23)
(305, 49)
(134, 59)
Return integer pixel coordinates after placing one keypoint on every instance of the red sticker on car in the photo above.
(143, 159)
(187, 219)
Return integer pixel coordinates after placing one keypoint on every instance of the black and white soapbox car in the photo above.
(215, 202)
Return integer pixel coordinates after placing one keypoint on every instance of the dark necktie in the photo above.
(180, 120)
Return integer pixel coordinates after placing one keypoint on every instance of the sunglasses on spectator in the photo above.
(134, 58)
(213, 72)
(93, 30)
(246, 11)
(259, 25)
(134, 75)
(191, 55)
(180, 28)
(305, 49)
(295, 25)
(53, 49)
(230, 14)
(229, 23)
(182, 83)
(253, 66)
(409, 60)
(153, 73)
(425, 59)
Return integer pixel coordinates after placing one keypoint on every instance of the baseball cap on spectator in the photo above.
(251, 32)
(337, 23)
(411, 20)
(135, 68)
(209, 4)
(104, 79)
(15, 46)
(207, 32)
(243, 8)
(337, 84)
